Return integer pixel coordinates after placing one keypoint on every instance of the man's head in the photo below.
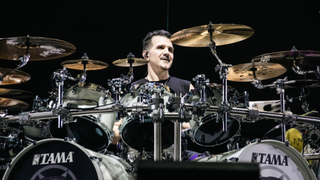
(158, 49)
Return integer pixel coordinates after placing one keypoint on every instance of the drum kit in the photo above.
(67, 134)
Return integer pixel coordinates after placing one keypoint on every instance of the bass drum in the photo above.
(206, 131)
(59, 159)
(139, 135)
(276, 160)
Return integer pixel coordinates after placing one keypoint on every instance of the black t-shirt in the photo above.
(175, 84)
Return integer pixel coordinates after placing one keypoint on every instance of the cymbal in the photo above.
(200, 37)
(125, 62)
(91, 65)
(40, 48)
(308, 83)
(306, 59)
(15, 93)
(14, 77)
(12, 105)
(264, 70)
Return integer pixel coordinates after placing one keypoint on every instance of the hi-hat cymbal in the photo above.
(263, 71)
(14, 77)
(12, 105)
(90, 64)
(15, 93)
(39, 48)
(305, 59)
(126, 63)
(200, 37)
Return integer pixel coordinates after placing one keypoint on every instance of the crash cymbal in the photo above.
(244, 72)
(305, 59)
(39, 48)
(200, 37)
(14, 77)
(90, 64)
(125, 62)
(12, 105)
(15, 93)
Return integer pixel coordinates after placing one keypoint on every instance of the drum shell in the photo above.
(85, 95)
(167, 126)
(274, 157)
(97, 166)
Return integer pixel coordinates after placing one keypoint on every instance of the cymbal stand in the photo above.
(23, 60)
(82, 77)
(223, 72)
(60, 76)
(279, 85)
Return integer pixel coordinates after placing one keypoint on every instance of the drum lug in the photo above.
(97, 159)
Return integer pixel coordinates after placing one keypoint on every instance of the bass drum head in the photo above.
(52, 159)
(86, 132)
(276, 160)
(140, 135)
(209, 133)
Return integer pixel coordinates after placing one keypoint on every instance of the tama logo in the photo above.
(52, 158)
(273, 159)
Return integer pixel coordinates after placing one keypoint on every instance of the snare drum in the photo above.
(139, 135)
(276, 160)
(207, 130)
(59, 159)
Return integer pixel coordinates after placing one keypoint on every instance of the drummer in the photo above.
(158, 50)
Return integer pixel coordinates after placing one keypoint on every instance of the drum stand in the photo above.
(60, 76)
(223, 72)
(279, 85)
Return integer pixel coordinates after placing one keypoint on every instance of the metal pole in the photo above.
(177, 141)
(157, 141)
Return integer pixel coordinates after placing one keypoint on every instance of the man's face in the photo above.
(160, 55)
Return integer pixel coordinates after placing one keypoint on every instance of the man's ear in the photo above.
(145, 54)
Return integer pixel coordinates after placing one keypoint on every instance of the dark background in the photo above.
(109, 30)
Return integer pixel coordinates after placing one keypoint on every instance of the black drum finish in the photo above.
(140, 135)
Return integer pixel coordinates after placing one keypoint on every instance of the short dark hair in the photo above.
(147, 40)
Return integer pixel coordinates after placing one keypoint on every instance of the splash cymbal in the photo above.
(126, 63)
(263, 71)
(222, 34)
(14, 77)
(39, 48)
(90, 64)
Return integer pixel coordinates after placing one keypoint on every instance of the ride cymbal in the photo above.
(39, 48)
(126, 62)
(14, 77)
(222, 34)
(90, 64)
(248, 72)
(305, 59)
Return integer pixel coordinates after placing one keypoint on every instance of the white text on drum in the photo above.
(273, 159)
(52, 158)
